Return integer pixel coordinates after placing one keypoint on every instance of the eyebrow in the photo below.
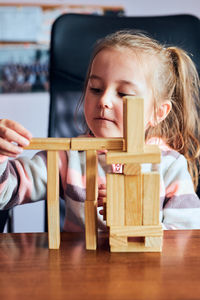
(93, 76)
(128, 83)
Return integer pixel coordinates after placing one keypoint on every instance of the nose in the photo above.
(105, 101)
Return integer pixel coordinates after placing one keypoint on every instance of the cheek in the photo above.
(88, 107)
(148, 112)
(119, 114)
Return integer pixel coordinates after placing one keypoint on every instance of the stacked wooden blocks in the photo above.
(132, 204)
(133, 197)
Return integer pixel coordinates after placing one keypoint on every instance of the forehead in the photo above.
(121, 63)
(122, 58)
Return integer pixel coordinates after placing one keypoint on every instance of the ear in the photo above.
(161, 113)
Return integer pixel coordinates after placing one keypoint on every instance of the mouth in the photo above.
(104, 119)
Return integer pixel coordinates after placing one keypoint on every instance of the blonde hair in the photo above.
(174, 78)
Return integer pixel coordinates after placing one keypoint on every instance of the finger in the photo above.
(102, 186)
(17, 127)
(102, 193)
(12, 136)
(100, 202)
(101, 211)
(9, 149)
(8, 154)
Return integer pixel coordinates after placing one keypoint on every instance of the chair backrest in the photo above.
(72, 40)
(3, 219)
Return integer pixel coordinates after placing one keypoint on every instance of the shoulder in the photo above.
(171, 160)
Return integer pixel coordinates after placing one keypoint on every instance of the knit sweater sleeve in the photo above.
(180, 205)
(24, 180)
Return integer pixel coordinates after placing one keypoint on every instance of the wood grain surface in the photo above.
(29, 270)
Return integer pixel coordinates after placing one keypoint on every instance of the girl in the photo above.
(124, 63)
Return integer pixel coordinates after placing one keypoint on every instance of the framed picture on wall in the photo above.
(24, 68)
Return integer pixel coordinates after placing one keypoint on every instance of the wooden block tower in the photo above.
(133, 197)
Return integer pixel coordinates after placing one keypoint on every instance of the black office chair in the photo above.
(4, 214)
(72, 40)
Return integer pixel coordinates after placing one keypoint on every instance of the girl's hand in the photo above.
(101, 195)
(13, 137)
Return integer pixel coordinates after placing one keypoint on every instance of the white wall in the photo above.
(134, 7)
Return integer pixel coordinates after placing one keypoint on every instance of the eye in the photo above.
(121, 94)
(95, 90)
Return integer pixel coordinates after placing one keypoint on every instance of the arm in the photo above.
(181, 205)
(22, 180)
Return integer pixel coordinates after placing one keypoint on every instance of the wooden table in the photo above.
(29, 270)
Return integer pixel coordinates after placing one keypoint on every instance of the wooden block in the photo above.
(49, 144)
(118, 241)
(135, 247)
(133, 200)
(132, 169)
(154, 241)
(91, 200)
(133, 124)
(97, 143)
(151, 198)
(131, 231)
(151, 154)
(91, 225)
(138, 244)
(91, 175)
(53, 199)
(115, 199)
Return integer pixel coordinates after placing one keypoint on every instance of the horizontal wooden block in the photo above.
(132, 169)
(154, 241)
(131, 231)
(135, 247)
(117, 241)
(49, 144)
(151, 154)
(97, 143)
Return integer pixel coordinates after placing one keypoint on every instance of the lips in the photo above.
(104, 119)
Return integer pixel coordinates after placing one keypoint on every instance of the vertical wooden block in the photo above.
(115, 199)
(91, 175)
(91, 225)
(53, 199)
(133, 108)
(91, 200)
(151, 198)
(133, 200)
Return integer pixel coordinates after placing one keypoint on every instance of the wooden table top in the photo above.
(29, 270)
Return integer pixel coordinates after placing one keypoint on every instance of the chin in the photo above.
(107, 134)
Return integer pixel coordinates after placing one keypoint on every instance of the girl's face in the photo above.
(114, 74)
